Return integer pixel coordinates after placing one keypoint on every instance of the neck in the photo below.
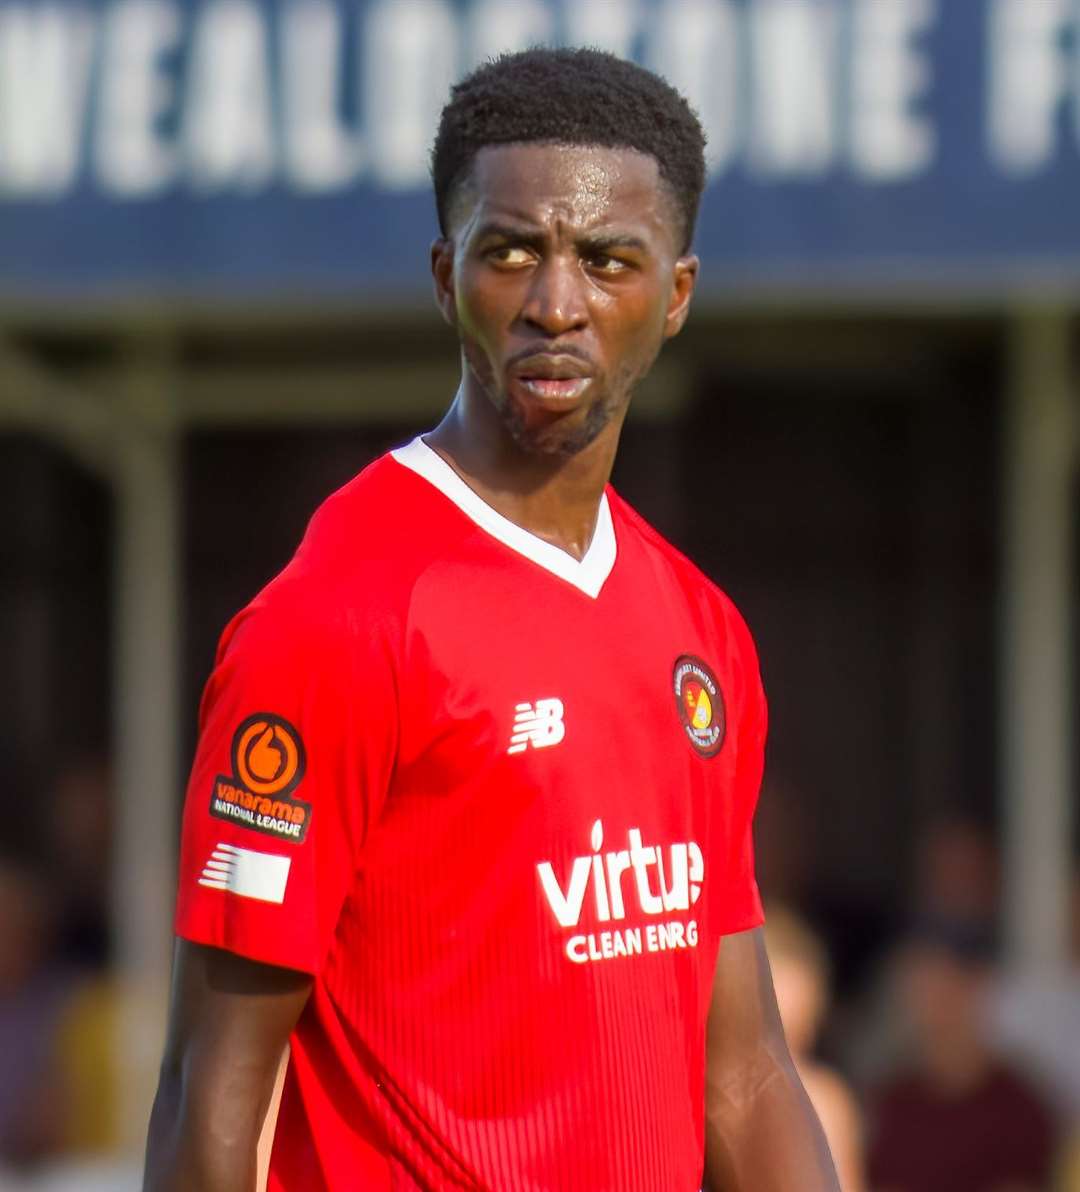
(555, 497)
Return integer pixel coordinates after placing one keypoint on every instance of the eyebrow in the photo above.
(534, 238)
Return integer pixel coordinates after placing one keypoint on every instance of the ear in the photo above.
(442, 274)
(682, 290)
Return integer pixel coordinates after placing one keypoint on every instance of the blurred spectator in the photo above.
(788, 859)
(958, 1119)
(784, 843)
(800, 973)
(32, 995)
(78, 830)
(957, 870)
(955, 878)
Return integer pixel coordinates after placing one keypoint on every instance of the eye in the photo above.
(510, 254)
(603, 262)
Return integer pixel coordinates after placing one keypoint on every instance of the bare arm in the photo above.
(229, 1023)
(761, 1133)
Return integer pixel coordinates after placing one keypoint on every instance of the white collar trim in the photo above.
(587, 575)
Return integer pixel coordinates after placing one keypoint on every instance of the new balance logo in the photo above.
(538, 725)
(246, 872)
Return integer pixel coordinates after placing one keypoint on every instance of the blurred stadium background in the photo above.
(214, 309)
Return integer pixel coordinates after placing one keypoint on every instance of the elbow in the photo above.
(733, 1091)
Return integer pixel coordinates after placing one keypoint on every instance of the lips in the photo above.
(553, 377)
(556, 388)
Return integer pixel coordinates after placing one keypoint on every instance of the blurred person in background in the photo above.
(788, 854)
(800, 971)
(956, 1117)
(955, 877)
(78, 836)
(33, 994)
(957, 870)
(77, 829)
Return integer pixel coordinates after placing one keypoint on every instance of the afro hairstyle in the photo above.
(570, 97)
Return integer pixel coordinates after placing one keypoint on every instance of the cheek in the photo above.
(632, 322)
(485, 305)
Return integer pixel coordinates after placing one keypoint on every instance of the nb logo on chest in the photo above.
(538, 725)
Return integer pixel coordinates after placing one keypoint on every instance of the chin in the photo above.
(559, 439)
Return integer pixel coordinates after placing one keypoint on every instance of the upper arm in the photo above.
(226, 1011)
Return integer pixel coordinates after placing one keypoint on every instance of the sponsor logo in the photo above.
(268, 763)
(539, 725)
(248, 873)
(700, 703)
(637, 881)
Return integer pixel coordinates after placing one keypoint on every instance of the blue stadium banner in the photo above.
(278, 148)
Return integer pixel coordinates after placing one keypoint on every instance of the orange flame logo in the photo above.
(267, 755)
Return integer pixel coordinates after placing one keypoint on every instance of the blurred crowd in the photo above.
(932, 1069)
(937, 1071)
(57, 999)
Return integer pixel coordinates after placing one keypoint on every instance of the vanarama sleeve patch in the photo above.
(268, 764)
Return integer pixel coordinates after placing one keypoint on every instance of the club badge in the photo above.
(700, 704)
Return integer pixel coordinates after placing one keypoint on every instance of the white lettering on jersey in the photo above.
(539, 726)
(248, 873)
(664, 879)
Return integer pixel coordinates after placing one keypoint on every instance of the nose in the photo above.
(555, 303)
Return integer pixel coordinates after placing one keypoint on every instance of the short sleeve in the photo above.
(297, 736)
(742, 909)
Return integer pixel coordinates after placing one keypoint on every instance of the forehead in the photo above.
(581, 186)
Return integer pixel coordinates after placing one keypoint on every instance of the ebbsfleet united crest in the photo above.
(700, 704)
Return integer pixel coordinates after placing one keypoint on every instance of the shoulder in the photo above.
(387, 517)
(353, 574)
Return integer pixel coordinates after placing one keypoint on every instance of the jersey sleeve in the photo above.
(297, 736)
(742, 909)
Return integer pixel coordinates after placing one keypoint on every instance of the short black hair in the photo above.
(570, 97)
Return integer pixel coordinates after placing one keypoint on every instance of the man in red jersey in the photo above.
(468, 826)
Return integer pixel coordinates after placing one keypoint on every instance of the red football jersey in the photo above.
(498, 802)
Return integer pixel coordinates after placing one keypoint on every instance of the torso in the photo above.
(516, 992)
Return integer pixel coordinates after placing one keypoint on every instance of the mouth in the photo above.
(555, 389)
(553, 379)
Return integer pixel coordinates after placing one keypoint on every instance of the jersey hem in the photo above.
(278, 958)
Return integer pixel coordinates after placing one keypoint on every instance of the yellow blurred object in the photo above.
(1069, 1175)
(85, 1056)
